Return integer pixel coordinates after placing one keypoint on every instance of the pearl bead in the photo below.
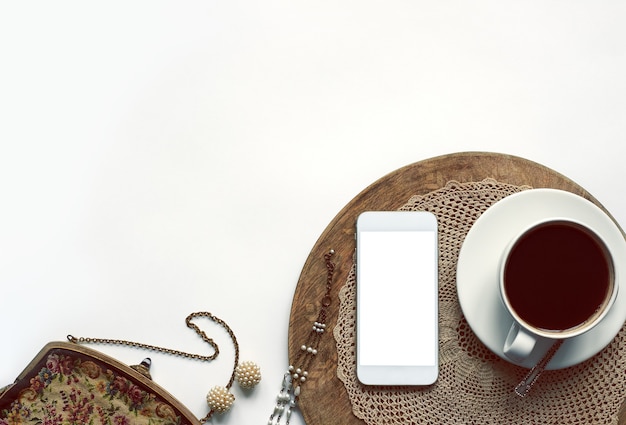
(220, 399)
(248, 374)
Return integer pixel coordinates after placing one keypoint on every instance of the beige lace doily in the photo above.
(475, 386)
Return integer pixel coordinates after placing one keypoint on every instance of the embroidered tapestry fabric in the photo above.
(67, 389)
(475, 386)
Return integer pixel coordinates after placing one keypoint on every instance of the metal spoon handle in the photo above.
(523, 388)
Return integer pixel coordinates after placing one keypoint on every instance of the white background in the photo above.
(160, 157)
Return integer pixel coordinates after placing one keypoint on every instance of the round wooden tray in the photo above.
(324, 398)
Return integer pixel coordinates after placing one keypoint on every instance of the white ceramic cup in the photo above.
(552, 269)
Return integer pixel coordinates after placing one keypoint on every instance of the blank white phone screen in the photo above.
(397, 298)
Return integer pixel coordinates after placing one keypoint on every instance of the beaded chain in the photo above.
(297, 373)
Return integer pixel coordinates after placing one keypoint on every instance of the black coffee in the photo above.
(557, 276)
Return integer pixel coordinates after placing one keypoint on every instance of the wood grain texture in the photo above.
(324, 399)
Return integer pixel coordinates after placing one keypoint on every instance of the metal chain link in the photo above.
(191, 325)
(133, 344)
(188, 322)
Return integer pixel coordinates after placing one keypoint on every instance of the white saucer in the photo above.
(479, 257)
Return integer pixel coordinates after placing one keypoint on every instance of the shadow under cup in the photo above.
(558, 279)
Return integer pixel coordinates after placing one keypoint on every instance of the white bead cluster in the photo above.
(319, 327)
(248, 374)
(220, 399)
(293, 380)
(285, 403)
(298, 374)
(309, 349)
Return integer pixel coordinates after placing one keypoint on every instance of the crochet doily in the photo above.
(475, 386)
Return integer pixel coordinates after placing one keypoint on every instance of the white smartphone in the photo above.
(397, 298)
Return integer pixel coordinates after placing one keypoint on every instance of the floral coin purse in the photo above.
(71, 384)
(68, 383)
